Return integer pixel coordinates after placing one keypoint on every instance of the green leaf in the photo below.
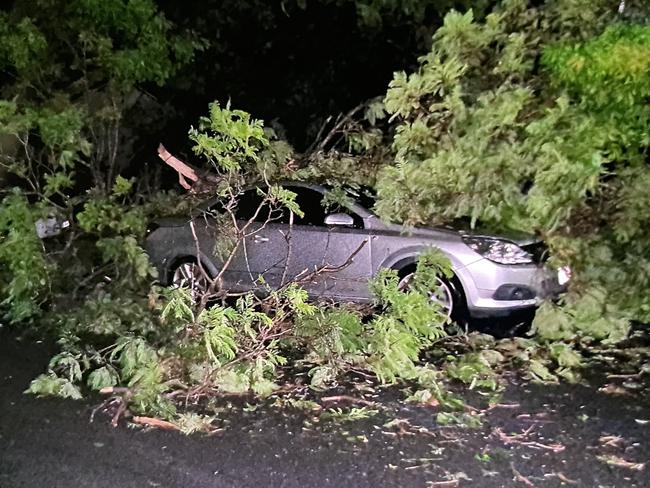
(102, 378)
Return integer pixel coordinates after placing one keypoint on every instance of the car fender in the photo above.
(409, 255)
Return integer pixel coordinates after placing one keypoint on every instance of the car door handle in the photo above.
(259, 239)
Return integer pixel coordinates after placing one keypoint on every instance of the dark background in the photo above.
(291, 67)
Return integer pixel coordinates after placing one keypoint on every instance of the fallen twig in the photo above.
(611, 440)
(534, 418)
(517, 439)
(519, 476)
(621, 463)
(612, 389)
(561, 477)
(114, 390)
(153, 422)
(101, 406)
(448, 483)
(349, 399)
(120, 396)
(504, 405)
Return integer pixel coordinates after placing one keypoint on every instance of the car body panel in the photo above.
(273, 254)
(263, 253)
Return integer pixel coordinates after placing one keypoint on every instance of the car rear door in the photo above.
(261, 255)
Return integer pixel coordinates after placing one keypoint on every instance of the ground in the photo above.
(541, 435)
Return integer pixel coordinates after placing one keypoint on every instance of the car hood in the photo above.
(518, 237)
(463, 230)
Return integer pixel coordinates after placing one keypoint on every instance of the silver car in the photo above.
(334, 254)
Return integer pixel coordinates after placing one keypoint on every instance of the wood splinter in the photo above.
(183, 169)
(153, 422)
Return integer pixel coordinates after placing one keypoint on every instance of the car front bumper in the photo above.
(493, 289)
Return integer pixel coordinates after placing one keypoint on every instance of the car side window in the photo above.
(311, 203)
(248, 203)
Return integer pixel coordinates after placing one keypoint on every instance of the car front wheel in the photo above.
(442, 293)
(190, 276)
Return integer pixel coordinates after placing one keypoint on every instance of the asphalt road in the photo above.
(51, 443)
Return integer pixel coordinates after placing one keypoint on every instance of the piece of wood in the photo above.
(441, 484)
(184, 170)
(349, 399)
(520, 477)
(153, 422)
(114, 390)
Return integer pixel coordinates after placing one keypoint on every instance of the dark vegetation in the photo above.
(516, 114)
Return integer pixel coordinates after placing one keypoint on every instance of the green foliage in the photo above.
(128, 42)
(106, 215)
(475, 369)
(103, 377)
(373, 13)
(162, 340)
(354, 414)
(70, 80)
(219, 336)
(191, 423)
(432, 390)
(25, 275)
(278, 196)
(465, 420)
(75, 77)
(52, 385)
(411, 323)
(589, 316)
(58, 130)
(64, 370)
(141, 370)
(539, 361)
(482, 133)
(108, 314)
(608, 73)
(229, 139)
(389, 344)
(22, 44)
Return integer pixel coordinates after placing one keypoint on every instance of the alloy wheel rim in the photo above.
(442, 294)
(191, 277)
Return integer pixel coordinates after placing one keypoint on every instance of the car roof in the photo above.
(356, 207)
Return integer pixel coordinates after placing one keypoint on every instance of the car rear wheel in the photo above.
(442, 293)
(190, 276)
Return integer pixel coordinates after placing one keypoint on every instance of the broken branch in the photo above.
(153, 422)
(346, 398)
(183, 169)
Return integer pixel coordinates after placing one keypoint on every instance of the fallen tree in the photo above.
(504, 123)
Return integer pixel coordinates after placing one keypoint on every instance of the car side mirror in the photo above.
(339, 220)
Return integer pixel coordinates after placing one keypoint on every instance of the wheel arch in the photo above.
(402, 262)
(409, 256)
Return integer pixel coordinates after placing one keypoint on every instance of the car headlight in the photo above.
(499, 251)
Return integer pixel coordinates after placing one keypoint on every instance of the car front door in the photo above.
(330, 261)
